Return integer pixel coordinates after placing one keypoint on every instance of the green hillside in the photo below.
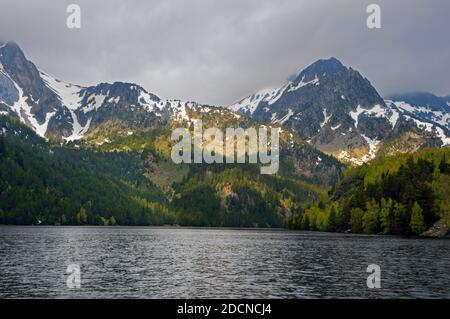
(403, 195)
(131, 180)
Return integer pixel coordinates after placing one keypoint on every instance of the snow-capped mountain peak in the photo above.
(338, 111)
(57, 108)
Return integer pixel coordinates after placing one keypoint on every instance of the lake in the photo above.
(152, 262)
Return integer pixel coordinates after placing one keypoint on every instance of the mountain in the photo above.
(426, 100)
(331, 106)
(24, 93)
(57, 109)
(101, 155)
(339, 112)
(425, 105)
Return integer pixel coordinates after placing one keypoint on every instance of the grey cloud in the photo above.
(216, 51)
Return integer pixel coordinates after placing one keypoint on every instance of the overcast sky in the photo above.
(218, 51)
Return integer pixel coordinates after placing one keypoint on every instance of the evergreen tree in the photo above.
(417, 223)
(2, 144)
(332, 220)
(305, 222)
(386, 215)
(444, 167)
(401, 219)
(371, 219)
(356, 220)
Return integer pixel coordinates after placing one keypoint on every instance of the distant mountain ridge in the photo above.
(424, 99)
(330, 105)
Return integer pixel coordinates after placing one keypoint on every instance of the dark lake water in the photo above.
(142, 262)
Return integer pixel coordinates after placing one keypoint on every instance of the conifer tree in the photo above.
(417, 223)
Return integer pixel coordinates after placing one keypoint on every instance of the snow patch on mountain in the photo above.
(179, 110)
(334, 128)
(95, 101)
(326, 118)
(23, 110)
(78, 130)
(429, 127)
(438, 117)
(286, 117)
(376, 111)
(302, 83)
(114, 100)
(146, 100)
(71, 97)
(394, 118)
(270, 96)
(403, 106)
(373, 147)
(355, 114)
(250, 103)
(69, 94)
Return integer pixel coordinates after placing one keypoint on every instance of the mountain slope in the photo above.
(44, 183)
(339, 112)
(298, 159)
(402, 195)
(428, 101)
(424, 105)
(56, 109)
(24, 93)
(136, 184)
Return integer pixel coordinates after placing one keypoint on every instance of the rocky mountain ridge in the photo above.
(331, 106)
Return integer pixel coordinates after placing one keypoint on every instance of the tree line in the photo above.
(405, 201)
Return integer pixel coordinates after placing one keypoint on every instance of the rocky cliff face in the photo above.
(339, 112)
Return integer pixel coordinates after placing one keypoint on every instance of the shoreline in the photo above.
(259, 229)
